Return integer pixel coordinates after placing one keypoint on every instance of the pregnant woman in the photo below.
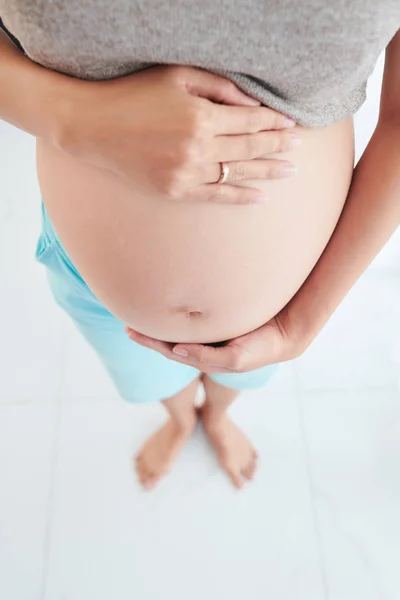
(178, 218)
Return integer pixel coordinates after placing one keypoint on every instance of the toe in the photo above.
(150, 482)
(142, 478)
(139, 463)
(142, 472)
(139, 471)
(249, 471)
(138, 460)
(237, 479)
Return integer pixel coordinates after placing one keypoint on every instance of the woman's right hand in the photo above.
(167, 128)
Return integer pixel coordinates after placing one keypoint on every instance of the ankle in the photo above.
(212, 415)
(185, 422)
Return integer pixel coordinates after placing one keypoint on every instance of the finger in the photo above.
(226, 194)
(157, 345)
(251, 169)
(250, 146)
(165, 348)
(211, 86)
(242, 119)
(230, 357)
(257, 348)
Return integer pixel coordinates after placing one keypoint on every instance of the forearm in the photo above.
(370, 216)
(31, 97)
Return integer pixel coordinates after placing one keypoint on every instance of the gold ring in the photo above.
(224, 173)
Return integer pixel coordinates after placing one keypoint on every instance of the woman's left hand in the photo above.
(276, 341)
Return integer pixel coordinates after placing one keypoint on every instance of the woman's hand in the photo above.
(165, 128)
(278, 340)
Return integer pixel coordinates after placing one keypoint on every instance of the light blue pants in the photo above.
(140, 374)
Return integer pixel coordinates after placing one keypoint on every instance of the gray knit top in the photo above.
(309, 59)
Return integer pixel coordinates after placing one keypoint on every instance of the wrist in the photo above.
(305, 315)
(71, 114)
(51, 106)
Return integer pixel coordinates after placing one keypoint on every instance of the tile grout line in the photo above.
(391, 387)
(311, 488)
(53, 470)
(29, 401)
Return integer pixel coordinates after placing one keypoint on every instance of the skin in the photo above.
(217, 271)
(371, 215)
(206, 273)
(234, 451)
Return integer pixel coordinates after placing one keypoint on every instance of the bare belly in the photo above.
(185, 272)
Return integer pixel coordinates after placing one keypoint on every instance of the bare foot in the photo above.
(159, 452)
(236, 454)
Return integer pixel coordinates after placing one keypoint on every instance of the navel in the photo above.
(190, 312)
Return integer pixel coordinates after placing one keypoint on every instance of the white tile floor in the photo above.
(321, 521)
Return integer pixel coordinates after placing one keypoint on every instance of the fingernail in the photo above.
(295, 141)
(260, 200)
(180, 351)
(288, 170)
(288, 122)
